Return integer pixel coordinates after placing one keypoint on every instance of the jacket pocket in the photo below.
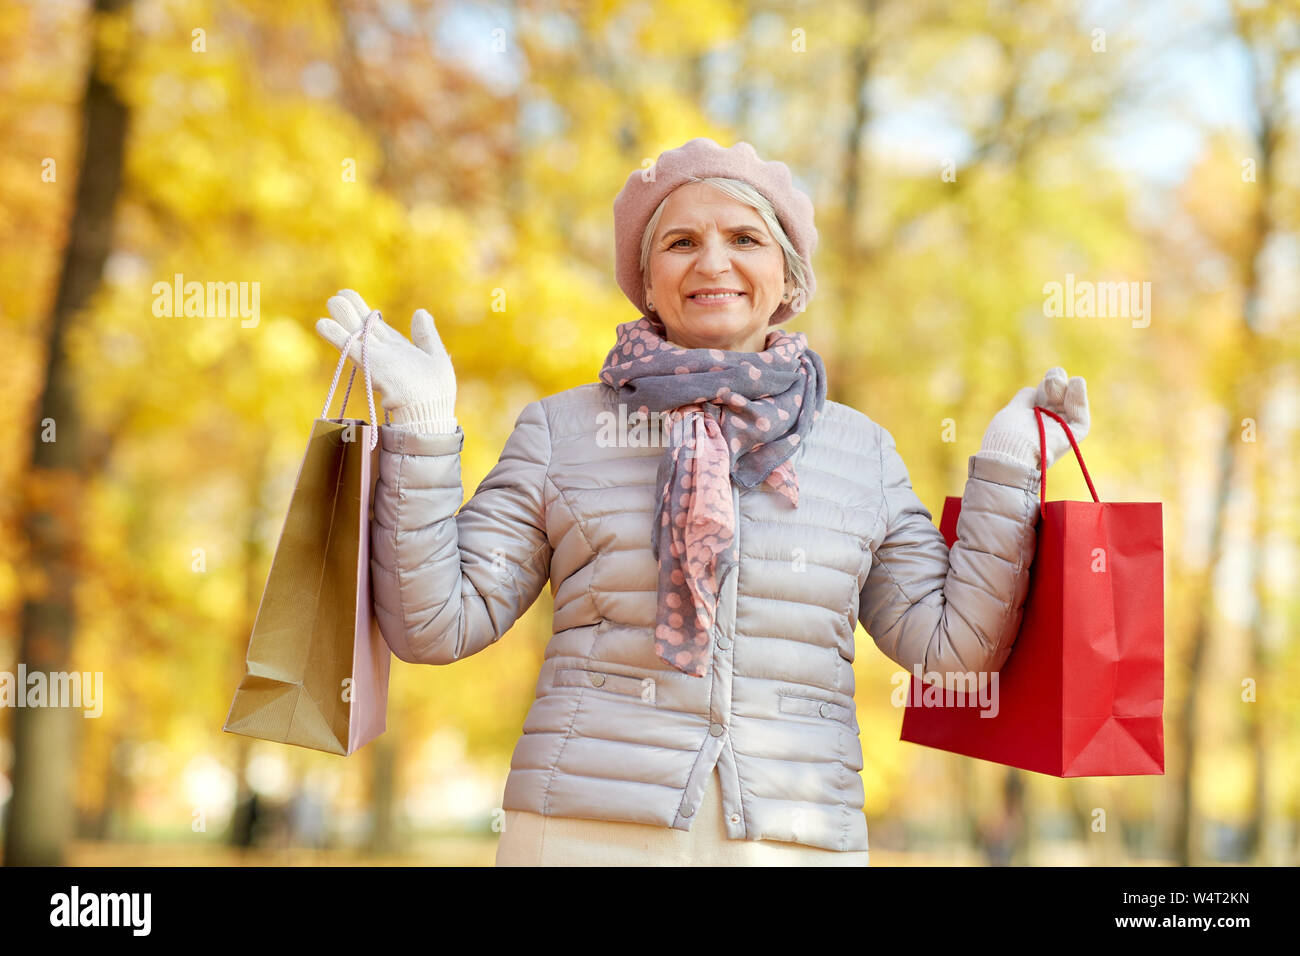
(814, 707)
(643, 688)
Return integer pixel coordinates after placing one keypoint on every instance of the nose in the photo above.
(712, 258)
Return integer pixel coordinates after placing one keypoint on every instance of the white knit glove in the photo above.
(417, 381)
(1013, 433)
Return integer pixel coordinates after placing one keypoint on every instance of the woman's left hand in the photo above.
(1014, 430)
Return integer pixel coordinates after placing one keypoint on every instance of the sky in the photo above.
(1190, 73)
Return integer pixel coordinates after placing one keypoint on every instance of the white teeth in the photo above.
(716, 295)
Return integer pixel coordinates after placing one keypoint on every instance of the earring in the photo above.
(649, 306)
(784, 296)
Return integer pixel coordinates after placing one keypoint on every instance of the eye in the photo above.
(752, 240)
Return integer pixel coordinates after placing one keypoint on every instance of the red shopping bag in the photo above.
(1082, 692)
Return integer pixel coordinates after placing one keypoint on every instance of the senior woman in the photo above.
(696, 702)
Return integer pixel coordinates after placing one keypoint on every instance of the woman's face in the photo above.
(708, 241)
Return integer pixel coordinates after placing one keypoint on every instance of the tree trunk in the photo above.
(41, 818)
(254, 561)
(1185, 845)
(1266, 75)
(828, 324)
(1256, 712)
(1268, 95)
(383, 794)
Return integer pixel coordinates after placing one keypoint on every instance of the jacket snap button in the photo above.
(688, 813)
(735, 818)
(716, 730)
(824, 710)
(597, 680)
(723, 643)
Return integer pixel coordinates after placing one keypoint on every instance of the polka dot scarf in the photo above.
(720, 415)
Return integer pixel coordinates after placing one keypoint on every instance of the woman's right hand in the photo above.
(417, 380)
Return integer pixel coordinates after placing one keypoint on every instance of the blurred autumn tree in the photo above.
(54, 479)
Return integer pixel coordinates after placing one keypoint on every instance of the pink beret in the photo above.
(702, 157)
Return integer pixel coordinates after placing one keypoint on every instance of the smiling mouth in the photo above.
(715, 296)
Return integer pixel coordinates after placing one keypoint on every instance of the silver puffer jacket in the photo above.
(614, 732)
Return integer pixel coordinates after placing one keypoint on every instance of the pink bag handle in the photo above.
(365, 364)
(1039, 411)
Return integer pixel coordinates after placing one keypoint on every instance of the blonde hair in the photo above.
(741, 192)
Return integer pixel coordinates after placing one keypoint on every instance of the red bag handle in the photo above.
(1039, 411)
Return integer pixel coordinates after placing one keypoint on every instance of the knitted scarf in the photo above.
(728, 415)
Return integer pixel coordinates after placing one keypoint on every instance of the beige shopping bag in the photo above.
(317, 666)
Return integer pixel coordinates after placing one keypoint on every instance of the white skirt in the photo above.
(534, 839)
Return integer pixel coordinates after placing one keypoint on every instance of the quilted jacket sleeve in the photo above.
(447, 585)
(952, 611)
